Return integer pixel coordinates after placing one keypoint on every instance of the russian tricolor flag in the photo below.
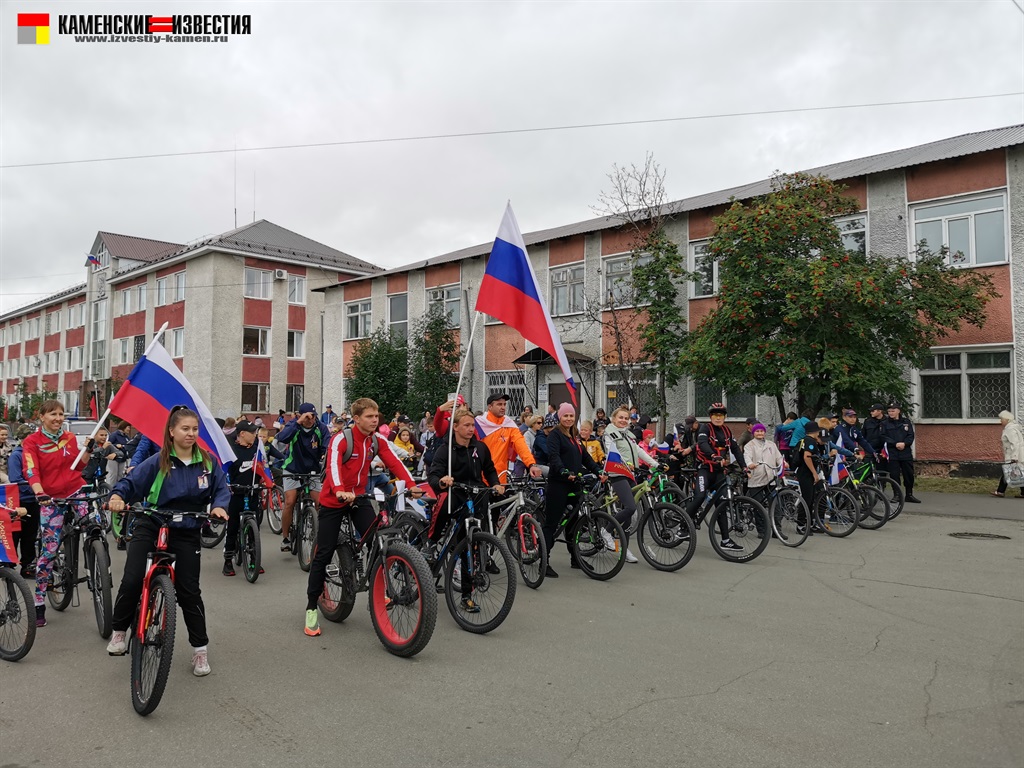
(509, 292)
(259, 465)
(616, 467)
(154, 386)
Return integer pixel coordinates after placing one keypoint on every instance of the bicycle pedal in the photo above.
(333, 571)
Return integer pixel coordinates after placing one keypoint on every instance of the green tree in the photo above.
(29, 401)
(796, 309)
(433, 362)
(379, 366)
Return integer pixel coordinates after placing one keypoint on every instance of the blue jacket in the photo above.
(306, 448)
(146, 449)
(797, 430)
(16, 473)
(188, 487)
(852, 435)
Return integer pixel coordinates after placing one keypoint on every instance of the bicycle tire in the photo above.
(667, 537)
(404, 621)
(61, 588)
(151, 657)
(17, 615)
(787, 508)
(525, 542)
(275, 509)
(595, 558)
(250, 550)
(494, 594)
(412, 526)
(339, 595)
(308, 527)
(894, 492)
(211, 534)
(98, 563)
(748, 525)
(672, 494)
(874, 507)
(840, 516)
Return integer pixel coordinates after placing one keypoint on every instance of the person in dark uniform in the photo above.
(873, 429)
(898, 435)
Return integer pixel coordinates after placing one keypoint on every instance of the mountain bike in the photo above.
(518, 527)
(835, 511)
(302, 533)
(151, 636)
(893, 491)
(17, 605)
(247, 544)
(90, 528)
(664, 532)
(875, 507)
(657, 487)
(402, 600)
(273, 503)
(786, 507)
(747, 523)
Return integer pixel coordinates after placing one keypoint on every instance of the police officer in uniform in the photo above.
(873, 429)
(898, 436)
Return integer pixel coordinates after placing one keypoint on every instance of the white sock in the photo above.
(200, 649)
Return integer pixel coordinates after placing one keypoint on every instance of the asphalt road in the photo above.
(902, 647)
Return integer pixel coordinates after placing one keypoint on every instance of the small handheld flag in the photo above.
(259, 465)
(616, 467)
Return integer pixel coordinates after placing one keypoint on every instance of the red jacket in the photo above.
(351, 476)
(49, 463)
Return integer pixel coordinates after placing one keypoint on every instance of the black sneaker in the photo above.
(468, 605)
(550, 573)
(229, 569)
(912, 499)
(492, 567)
(286, 546)
(121, 545)
(730, 544)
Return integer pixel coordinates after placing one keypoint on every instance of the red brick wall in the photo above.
(257, 312)
(32, 347)
(629, 321)
(52, 343)
(502, 345)
(296, 371)
(442, 274)
(699, 308)
(360, 290)
(999, 314)
(700, 225)
(50, 381)
(985, 170)
(174, 269)
(348, 348)
(75, 337)
(129, 284)
(566, 250)
(172, 314)
(617, 241)
(974, 442)
(72, 380)
(130, 325)
(263, 264)
(398, 283)
(857, 188)
(256, 370)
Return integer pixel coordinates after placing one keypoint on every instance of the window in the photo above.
(294, 396)
(643, 382)
(974, 230)
(161, 291)
(141, 303)
(256, 341)
(126, 301)
(854, 232)
(104, 257)
(357, 320)
(98, 352)
(450, 299)
(177, 342)
(255, 398)
(258, 283)
(73, 359)
(618, 277)
(52, 323)
(15, 334)
(179, 286)
(138, 347)
(741, 405)
(512, 383)
(76, 316)
(705, 269)
(296, 290)
(398, 315)
(3, 333)
(966, 385)
(124, 350)
(566, 290)
(32, 329)
(296, 345)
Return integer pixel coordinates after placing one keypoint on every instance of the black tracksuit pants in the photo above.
(903, 468)
(327, 539)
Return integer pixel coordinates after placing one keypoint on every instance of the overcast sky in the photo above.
(325, 71)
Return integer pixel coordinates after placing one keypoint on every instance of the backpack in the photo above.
(347, 432)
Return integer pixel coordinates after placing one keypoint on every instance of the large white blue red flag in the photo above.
(509, 292)
(154, 386)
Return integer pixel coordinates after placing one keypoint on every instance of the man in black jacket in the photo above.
(898, 435)
(873, 428)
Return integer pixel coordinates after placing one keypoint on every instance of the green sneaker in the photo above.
(312, 623)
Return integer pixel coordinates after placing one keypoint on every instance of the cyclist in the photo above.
(26, 537)
(184, 477)
(502, 437)
(470, 463)
(306, 438)
(47, 456)
(618, 438)
(811, 450)
(852, 434)
(763, 458)
(349, 455)
(241, 472)
(714, 446)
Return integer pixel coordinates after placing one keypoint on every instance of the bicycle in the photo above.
(273, 501)
(480, 557)
(17, 606)
(786, 508)
(664, 532)
(151, 639)
(517, 526)
(402, 602)
(892, 490)
(302, 533)
(747, 523)
(247, 543)
(836, 511)
(657, 488)
(875, 507)
(91, 529)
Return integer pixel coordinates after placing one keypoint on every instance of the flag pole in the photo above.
(458, 387)
(106, 413)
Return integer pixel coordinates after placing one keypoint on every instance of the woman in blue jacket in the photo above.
(182, 477)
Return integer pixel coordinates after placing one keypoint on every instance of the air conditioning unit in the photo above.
(280, 274)
(437, 294)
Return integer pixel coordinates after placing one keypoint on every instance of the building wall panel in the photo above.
(566, 250)
(257, 313)
(398, 283)
(256, 370)
(296, 317)
(957, 176)
(442, 274)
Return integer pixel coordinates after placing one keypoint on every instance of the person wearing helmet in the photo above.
(716, 450)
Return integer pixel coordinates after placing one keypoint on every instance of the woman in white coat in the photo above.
(763, 459)
(1013, 449)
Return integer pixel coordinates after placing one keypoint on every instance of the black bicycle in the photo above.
(90, 529)
(247, 544)
(302, 533)
(17, 606)
(402, 604)
(746, 521)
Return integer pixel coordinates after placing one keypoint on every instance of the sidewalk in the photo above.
(968, 505)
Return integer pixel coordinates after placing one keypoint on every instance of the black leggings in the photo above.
(703, 482)
(556, 502)
(624, 492)
(327, 539)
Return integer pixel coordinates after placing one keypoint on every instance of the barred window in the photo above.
(966, 385)
(511, 383)
(740, 404)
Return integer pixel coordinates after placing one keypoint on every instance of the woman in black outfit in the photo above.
(567, 460)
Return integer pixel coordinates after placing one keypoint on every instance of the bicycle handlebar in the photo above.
(161, 514)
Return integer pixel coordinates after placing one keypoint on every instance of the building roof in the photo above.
(43, 303)
(945, 149)
(136, 248)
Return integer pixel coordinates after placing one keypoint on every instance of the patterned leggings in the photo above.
(51, 521)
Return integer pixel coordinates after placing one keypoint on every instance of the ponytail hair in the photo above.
(178, 414)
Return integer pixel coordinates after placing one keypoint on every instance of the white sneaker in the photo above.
(630, 557)
(200, 664)
(609, 542)
(118, 645)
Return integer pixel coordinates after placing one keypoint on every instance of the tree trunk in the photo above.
(782, 407)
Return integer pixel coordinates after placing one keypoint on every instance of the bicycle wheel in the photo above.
(97, 561)
(874, 507)
(837, 511)
(61, 587)
(493, 593)
(789, 517)
(747, 526)
(250, 550)
(308, 526)
(412, 526)
(667, 537)
(151, 657)
(403, 603)
(893, 492)
(525, 542)
(339, 595)
(17, 615)
(599, 544)
(212, 533)
(275, 508)
(672, 494)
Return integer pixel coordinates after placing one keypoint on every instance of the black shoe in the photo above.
(574, 565)
(229, 569)
(121, 545)
(912, 499)
(492, 567)
(468, 605)
(730, 544)
(286, 546)
(550, 573)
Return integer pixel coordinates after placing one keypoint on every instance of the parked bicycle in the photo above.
(664, 533)
(17, 607)
(518, 528)
(247, 543)
(875, 507)
(746, 524)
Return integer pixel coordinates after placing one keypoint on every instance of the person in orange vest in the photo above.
(502, 437)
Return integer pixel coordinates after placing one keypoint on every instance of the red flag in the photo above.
(94, 412)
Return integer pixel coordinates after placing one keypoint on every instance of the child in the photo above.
(591, 442)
